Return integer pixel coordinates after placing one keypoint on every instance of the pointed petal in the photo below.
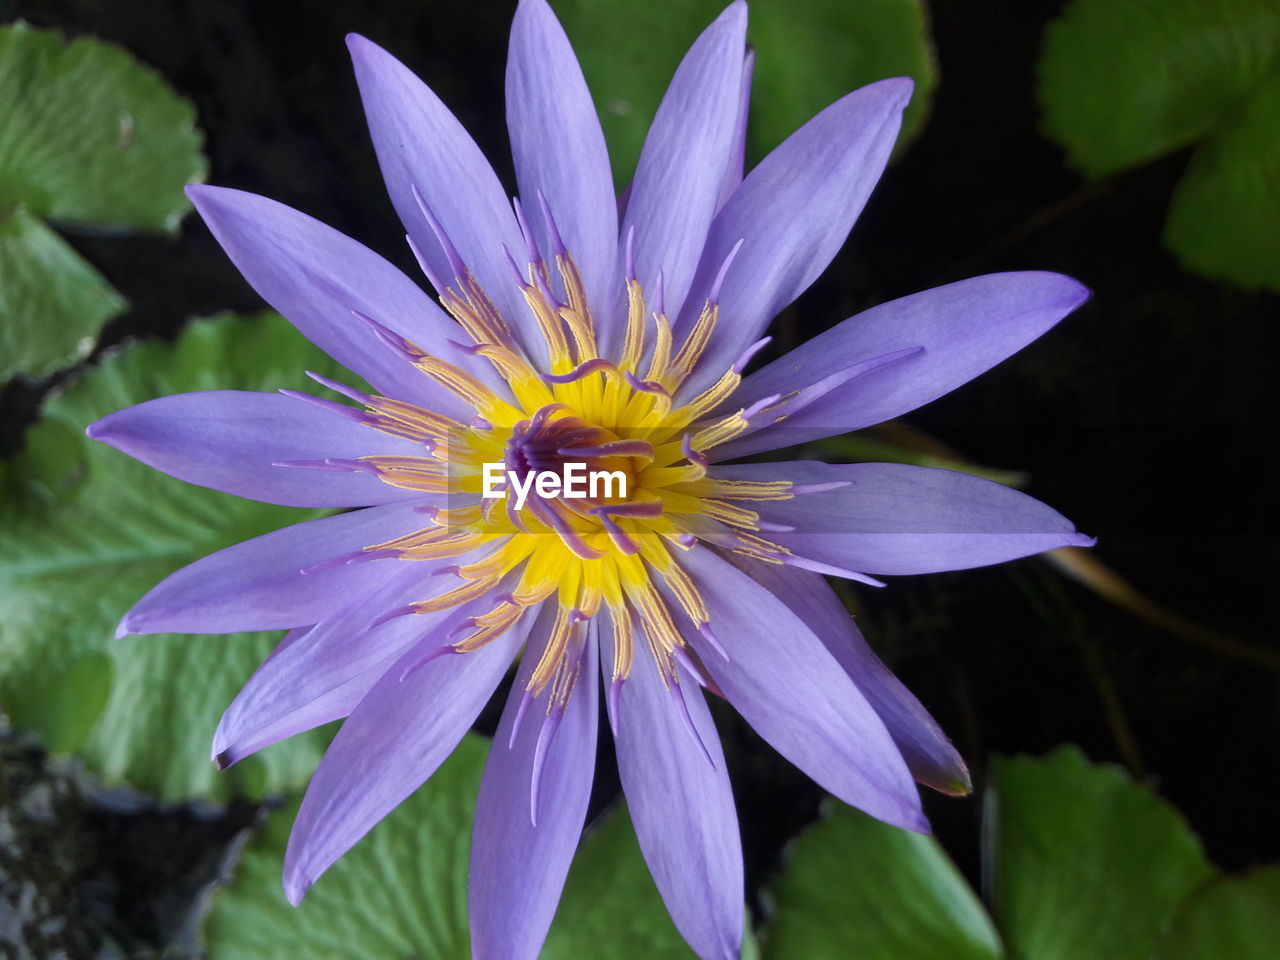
(420, 144)
(322, 674)
(793, 213)
(559, 149)
(895, 519)
(783, 681)
(393, 741)
(682, 806)
(230, 440)
(738, 155)
(333, 704)
(930, 756)
(259, 584)
(518, 869)
(316, 277)
(685, 158)
(965, 329)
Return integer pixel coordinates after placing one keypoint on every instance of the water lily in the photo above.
(576, 333)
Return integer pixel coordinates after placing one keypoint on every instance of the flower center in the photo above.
(613, 550)
(575, 455)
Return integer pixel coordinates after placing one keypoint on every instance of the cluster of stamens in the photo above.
(616, 553)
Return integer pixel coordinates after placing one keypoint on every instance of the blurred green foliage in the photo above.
(1123, 82)
(1084, 862)
(1231, 917)
(855, 887)
(90, 139)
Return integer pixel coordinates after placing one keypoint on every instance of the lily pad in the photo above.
(85, 531)
(611, 909)
(1083, 861)
(402, 891)
(91, 136)
(855, 887)
(52, 302)
(1123, 82)
(1224, 220)
(1236, 917)
(92, 139)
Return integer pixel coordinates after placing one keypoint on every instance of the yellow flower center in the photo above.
(616, 552)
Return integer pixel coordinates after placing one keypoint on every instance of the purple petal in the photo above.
(928, 753)
(230, 440)
(324, 673)
(393, 741)
(518, 869)
(965, 329)
(333, 704)
(559, 148)
(420, 144)
(258, 584)
(738, 155)
(793, 213)
(316, 277)
(785, 683)
(682, 806)
(685, 158)
(893, 518)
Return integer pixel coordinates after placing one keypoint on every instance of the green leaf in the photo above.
(808, 54)
(611, 909)
(1123, 82)
(855, 887)
(1232, 917)
(88, 135)
(52, 303)
(85, 531)
(67, 705)
(1224, 221)
(402, 891)
(1084, 863)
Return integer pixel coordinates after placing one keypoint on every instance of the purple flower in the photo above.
(614, 341)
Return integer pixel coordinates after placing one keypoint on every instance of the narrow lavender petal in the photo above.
(421, 144)
(229, 440)
(330, 667)
(258, 584)
(685, 157)
(559, 149)
(316, 277)
(785, 683)
(333, 704)
(965, 329)
(928, 752)
(518, 869)
(393, 741)
(895, 519)
(681, 805)
(737, 157)
(794, 212)
(330, 706)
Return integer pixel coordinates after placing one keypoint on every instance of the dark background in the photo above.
(1147, 417)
